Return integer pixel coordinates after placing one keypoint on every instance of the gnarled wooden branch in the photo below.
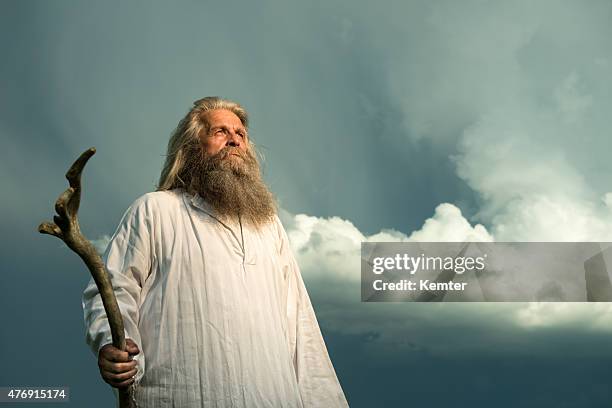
(66, 227)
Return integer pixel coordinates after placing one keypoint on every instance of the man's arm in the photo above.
(316, 377)
(128, 261)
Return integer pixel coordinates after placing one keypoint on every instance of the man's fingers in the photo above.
(116, 368)
(114, 354)
(132, 347)
(122, 384)
(117, 378)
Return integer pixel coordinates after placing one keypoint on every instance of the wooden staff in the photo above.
(66, 227)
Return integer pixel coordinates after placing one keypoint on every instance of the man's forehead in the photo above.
(223, 117)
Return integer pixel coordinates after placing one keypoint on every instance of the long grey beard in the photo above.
(232, 186)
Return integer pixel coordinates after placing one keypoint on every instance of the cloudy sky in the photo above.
(435, 121)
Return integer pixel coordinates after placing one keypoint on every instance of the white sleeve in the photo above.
(128, 262)
(316, 377)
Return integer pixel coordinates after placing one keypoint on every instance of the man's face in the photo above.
(224, 130)
(225, 171)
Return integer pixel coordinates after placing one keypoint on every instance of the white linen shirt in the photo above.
(219, 310)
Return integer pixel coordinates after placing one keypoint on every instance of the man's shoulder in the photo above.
(278, 230)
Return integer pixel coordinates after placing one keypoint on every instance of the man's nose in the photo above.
(233, 140)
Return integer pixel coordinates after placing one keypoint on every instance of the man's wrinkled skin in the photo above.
(224, 129)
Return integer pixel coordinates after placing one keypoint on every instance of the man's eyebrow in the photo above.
(242, 128)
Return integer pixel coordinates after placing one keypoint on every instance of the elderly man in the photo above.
(212, 298)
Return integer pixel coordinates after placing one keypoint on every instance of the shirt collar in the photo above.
(200, 203)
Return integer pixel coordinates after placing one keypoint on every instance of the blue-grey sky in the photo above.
(437, 120)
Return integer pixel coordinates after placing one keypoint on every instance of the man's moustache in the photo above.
(227, 151)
